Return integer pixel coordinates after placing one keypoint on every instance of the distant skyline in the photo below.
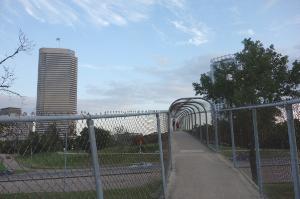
(139, 54)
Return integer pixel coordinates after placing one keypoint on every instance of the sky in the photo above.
(139, 54)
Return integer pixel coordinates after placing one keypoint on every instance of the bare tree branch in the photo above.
(10, 92)
(7, 76)
(24, 45)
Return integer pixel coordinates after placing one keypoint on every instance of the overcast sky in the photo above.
(139, 54)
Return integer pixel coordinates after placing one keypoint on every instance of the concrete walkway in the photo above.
(199, 173)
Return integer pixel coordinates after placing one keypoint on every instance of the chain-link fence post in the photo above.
(207, 132)
(187, 122)
(65, 158)
(257, 153)
(200, 127)
(192, 117)
(216, 130)
(161, 156)
(190, 120)
(95, 160)
(232, 140)
(293, 150)
(170, 139)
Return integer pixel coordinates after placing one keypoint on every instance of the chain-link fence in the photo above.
(261, 141)
(116, 155)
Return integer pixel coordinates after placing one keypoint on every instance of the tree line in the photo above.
(53, 140)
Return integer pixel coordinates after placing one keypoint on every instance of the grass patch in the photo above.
(279, 191)
(227, 153)
(119, 156)
(2, 167)
(54, 160)
(264, 153)
(274, 190)
(269, 153)
(149, 191)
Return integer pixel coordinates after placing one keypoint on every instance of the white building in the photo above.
(216, 63)
(17, 130)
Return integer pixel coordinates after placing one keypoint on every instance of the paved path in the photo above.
(200, 173)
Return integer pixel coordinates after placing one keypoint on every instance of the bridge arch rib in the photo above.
(183, 109)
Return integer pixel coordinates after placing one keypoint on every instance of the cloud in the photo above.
(197, 32)
(270, 3)
(98, 12)
(235, 10)
(297, 47)
(73, 12)
(109, 68)
(105, 13)
(179, 4)
(295, 20)
(50, 11)
(170, 83)
(162, 35)
(236, 15)
(90, 66)
(154, 95)
(247, 33)
(161, 60)
(27, 104)
(278, 27)
(185, 73)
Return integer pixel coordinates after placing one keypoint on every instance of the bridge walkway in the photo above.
(199, 173)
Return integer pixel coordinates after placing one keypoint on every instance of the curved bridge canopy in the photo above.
(187, 111)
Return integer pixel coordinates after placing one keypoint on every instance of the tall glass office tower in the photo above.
(57, 84)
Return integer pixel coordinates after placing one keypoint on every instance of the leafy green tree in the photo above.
(258, 75)
(49, 141)
(103, 139)
(30, 145)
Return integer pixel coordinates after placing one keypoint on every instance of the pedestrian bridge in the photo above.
(235, 152)
(194, 150)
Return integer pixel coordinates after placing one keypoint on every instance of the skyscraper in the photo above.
(57, 82)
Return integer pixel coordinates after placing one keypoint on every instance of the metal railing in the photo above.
(262, 141)
(117, 155)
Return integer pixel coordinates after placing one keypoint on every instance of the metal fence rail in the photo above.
(116, 155)
(262, 141)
